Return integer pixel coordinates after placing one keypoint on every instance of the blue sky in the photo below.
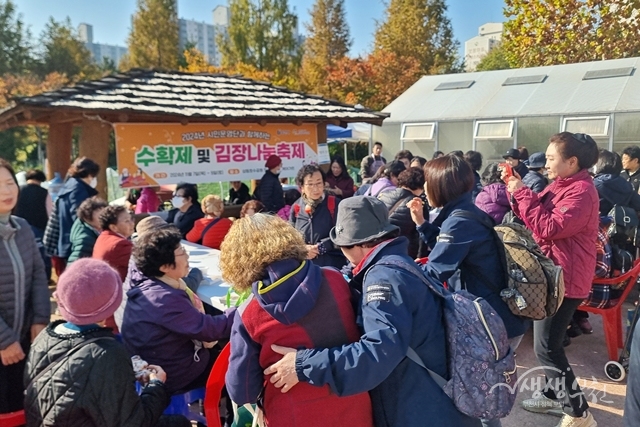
(111, 18)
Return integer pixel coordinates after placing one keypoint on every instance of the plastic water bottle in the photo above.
(54, 186)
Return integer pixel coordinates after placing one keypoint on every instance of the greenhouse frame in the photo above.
(493, 111)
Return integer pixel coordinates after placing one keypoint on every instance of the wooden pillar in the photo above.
(59, 149)
(94, 144)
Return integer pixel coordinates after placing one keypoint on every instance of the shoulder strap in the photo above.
(411, 353)
(61, 358)
(488, 222)
(397, 204)
(331, 204)
(207, 228)
(413, 356)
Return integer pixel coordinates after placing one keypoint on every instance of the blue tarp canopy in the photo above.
(336, 132)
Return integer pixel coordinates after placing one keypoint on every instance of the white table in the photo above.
(212, 290)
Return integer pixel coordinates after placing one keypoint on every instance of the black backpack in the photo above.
(623, 231)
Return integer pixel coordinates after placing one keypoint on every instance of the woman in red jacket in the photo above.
(210, 230)
(564, 221)
(293, 303)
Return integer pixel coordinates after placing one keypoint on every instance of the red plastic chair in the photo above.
(13, 419)
(215, 383)
(612, 316)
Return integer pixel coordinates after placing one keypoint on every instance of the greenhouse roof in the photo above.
(574, 89)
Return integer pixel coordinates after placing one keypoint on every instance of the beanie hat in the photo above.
(149, 223)
(273, 161)
(88, 291)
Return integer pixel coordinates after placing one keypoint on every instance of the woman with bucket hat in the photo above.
(397, 311)
(534, 179)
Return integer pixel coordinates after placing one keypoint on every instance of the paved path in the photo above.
(587, 355)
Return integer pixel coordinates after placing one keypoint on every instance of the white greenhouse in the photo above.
(493, 111)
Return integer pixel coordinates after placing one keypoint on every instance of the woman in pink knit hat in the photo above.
(78, 374)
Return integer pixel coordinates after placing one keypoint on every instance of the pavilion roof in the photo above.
(160, 96)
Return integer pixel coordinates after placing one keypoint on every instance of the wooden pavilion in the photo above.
(149, 96)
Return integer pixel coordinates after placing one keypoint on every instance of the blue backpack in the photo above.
(482, 366)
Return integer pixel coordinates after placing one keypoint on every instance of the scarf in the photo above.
(197, 304)
(311, 205)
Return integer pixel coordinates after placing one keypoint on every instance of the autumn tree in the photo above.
(15, 50)
(373, 81)
(194, 62)
(420, 29)
(19, 145)
(62, 51)
(548, 32)
(153, 41)
(494, 60)
(262, 34)
(328, 41)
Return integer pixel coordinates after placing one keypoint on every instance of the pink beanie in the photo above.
(88, 291)
(273, 161)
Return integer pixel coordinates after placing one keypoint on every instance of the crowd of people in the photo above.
(335, 277)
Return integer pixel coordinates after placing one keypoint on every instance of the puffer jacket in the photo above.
(83, 238)
(400, 215)
(93, 387)
(615, 190)
(270, 192)
(564, 220)
(493, 200)
(396, 311)
(535, 181)
(294, 305)
(160, 324)
(24, 294)
(73, 192)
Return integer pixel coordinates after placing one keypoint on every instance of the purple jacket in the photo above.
(160, 323)
(381, 185)
(493, 200)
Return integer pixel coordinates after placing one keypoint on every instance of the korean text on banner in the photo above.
(167, 153)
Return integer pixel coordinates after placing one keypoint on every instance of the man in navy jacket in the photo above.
(396, 311)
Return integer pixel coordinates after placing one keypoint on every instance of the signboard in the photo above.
(323, 154)
(167, 153)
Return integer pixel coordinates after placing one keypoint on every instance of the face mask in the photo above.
(177, 202)
(94, 182)
(277, 171)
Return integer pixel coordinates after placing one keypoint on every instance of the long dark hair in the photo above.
(340, 161)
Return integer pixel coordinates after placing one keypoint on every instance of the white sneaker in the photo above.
(543, 405)
(568, 421)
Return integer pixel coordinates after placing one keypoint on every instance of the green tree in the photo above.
(548, 32)
(63, 52)
(420, 29)
(494, 60)
(15, 50)
(262, 34)
(327, 42)
(153, 41)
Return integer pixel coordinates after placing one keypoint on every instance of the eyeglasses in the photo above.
(181, 251)
(316, 185)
